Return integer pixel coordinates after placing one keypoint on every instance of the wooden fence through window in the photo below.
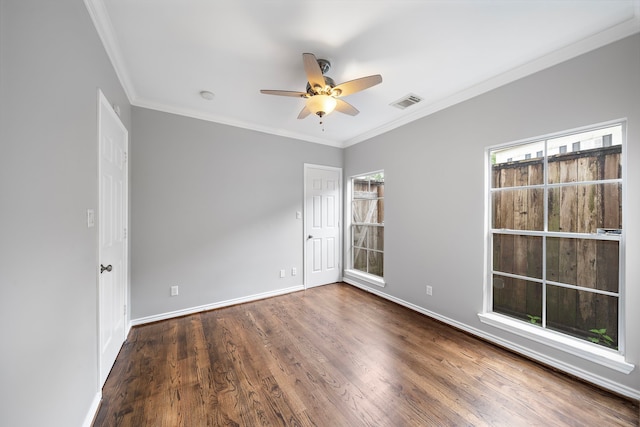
(576, 208)
(368, 207)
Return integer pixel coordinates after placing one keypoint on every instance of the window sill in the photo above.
(365, 277)
(593, 353)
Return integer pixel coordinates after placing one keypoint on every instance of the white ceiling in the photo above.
(166, 51)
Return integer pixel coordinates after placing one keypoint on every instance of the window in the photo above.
(367, 224)
(555, 236)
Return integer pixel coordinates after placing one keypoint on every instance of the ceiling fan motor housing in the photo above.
(328, 80)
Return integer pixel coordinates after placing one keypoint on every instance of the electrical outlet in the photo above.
(294, 271)
(282, 273)
(429, 290)
(174, 291)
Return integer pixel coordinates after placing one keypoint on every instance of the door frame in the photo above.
(308, 166)
(103, 104)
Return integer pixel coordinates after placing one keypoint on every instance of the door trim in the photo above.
(308, 166)
(103, 104)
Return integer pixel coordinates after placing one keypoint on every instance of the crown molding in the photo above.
(166, 108)
(106, 32)
(603, 38)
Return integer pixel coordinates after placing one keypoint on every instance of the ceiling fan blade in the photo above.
(346, 108)
(304, 113)
(353, 86)
(284, 93)
(313, 71)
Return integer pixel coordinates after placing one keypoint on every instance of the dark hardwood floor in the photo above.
(337, 356)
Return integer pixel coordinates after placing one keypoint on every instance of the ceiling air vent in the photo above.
(406, 101)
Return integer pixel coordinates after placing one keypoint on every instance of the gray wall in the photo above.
(51, 65)
(214, 211)
(435, 236)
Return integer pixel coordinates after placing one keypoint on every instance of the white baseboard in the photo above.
(93, 409)
(221, 304)
(605, 383)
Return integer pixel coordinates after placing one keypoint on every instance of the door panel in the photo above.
(112, 223)
(322, 225)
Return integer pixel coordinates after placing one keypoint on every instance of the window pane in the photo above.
(517, 165)
(360, 259)
(577, 313)
(585, 208)
(376, 263)
(518, 298)
(583, 262)
(367, 211)
(511, 173)
(376, 238)
(368, 261)
(521, 255)
(370, 237)
(359, 234)
(518, 209)
(594, 155)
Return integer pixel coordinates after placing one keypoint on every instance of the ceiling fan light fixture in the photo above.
(321, 105)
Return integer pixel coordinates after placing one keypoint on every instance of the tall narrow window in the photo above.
(555, 230)
(367, 224)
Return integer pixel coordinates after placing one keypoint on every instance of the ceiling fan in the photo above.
(323, 95)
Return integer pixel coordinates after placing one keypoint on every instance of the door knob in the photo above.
(103, 268)
(310, 236)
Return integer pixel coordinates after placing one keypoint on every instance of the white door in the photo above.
(322, 225)
(112, 224)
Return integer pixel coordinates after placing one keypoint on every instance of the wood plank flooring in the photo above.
(337, 356)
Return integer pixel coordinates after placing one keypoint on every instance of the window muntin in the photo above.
(367, 223)
(555, 229)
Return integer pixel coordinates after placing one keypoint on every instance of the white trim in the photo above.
(583, 349)
(93, 410)
(598, 380)
(216, 118)
(365, 277)
(215, 305)
(104, 28)
(341, 233)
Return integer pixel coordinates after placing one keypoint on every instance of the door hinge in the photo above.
(124, 233)
(126, 156)
(125, 309)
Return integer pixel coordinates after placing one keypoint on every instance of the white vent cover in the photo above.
(406, 101)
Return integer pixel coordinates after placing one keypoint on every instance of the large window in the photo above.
(367, 224)
(556, 232)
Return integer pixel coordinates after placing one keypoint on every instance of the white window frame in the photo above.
(350, 273)
(610, 358)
